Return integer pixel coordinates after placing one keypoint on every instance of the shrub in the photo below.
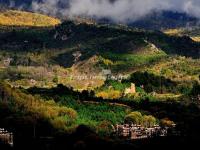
(195, 90)
(105, 128)
(110, 94)
(166, 122)
(139, 119)
(55, 79)
(149, 121)
(152, 82)
(134, 117)
(26, 104)
(58, 123)
(64, 111)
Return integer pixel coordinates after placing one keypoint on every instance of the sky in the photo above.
(116, 10)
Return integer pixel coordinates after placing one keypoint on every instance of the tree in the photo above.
(149, 121)
(195, 90)
(55, 79)
(134, 117)
(166, 122)
(105, 128)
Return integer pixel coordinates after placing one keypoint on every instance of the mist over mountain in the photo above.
(116, 10)
(165, 20)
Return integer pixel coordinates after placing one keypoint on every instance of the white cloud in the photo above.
(117, 10)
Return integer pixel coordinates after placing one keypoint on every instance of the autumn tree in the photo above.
(134, 117)
(149, 121)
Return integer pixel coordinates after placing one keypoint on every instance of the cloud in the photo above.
(120, 10)
(117, 10)
(192, 7)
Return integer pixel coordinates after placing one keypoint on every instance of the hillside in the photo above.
(160, 20)
(21, 18)
(74, 52)
(165, 20)
(194, 32)
(70, 84)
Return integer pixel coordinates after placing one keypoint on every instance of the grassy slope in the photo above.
(193, 33)
(20, 18)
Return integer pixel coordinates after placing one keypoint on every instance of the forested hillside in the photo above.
(74, 83)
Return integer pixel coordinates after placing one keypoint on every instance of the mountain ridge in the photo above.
(156, 20)
(22, 18)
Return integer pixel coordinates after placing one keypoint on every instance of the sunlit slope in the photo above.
(193, 33)
(21, 18)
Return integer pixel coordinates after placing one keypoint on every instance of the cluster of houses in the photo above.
(139, 132)
(6, 137)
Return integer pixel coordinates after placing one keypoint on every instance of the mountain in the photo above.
(193, 32)
(166, 20)
(71, 83)
(20, 18)
(161, 20)
(121, 49)
(156, 20)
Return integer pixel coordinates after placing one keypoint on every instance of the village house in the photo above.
(139, 132)
(131, 90)
(6, 137)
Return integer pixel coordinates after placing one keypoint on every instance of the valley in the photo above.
(68, 83)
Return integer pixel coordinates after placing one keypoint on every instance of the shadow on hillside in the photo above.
(92, 40)
(183, 46)
(187, 117)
